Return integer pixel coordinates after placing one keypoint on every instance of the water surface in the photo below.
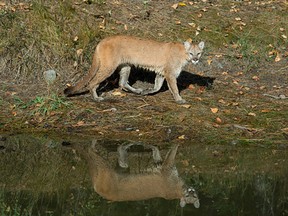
(43, 175)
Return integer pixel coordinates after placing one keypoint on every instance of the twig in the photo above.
(281, 96)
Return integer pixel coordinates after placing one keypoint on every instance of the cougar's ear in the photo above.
(201, 45)
(187, 45)
(182, 202)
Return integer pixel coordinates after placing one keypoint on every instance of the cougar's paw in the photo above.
(98, 99)
(182, 101)
(138, 91)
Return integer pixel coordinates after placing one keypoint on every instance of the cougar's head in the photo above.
(194, 51)
(189, 197)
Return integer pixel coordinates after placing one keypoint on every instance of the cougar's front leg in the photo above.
(123, 81)
(159, 79)
(172, 84)
(123, 155)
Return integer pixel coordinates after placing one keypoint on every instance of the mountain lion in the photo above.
(165, 59)
(162, 181)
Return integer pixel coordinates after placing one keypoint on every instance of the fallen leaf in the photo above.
(118, 93)
(191, 87)
(75, 38)
(209, 61)
(221, 101)
(177, 22)
(187, 106)
(251, 114)
(192, 24)
(181, 4)
(218, 120)
(182, 137)
(265, 110)
(175, 6)
(284, 36)
(199, 15)
(214, 110)
(198, 98)
(238, 19)
(79, 52)
(80, 123)
(185, 163)
(278, 57)
(282, 29)
(125, 27)
(256, 78)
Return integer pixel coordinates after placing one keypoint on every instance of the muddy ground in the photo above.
(231, 97)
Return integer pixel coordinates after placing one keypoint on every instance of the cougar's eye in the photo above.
(198, 54)
(191, 190)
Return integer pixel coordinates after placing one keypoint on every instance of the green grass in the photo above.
(43, 105)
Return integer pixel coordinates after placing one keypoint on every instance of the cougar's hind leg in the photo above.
(99, 77)
(157, 85)
(123, 81)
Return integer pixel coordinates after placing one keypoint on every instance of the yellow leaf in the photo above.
(182, 137)
(214, 110)
(251, 114)
(284, 36)
(181, 4)
(209, 61)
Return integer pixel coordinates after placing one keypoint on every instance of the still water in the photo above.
(59, 175)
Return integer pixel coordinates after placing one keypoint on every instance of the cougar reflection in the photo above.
(162, 181)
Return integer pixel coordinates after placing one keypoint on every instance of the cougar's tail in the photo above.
(82, 84)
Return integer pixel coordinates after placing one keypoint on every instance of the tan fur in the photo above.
(115, 186)
(165, 59)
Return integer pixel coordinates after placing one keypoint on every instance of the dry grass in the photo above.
(243, 40)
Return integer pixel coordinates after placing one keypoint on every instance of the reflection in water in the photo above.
(39, 176)
(162, 181)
